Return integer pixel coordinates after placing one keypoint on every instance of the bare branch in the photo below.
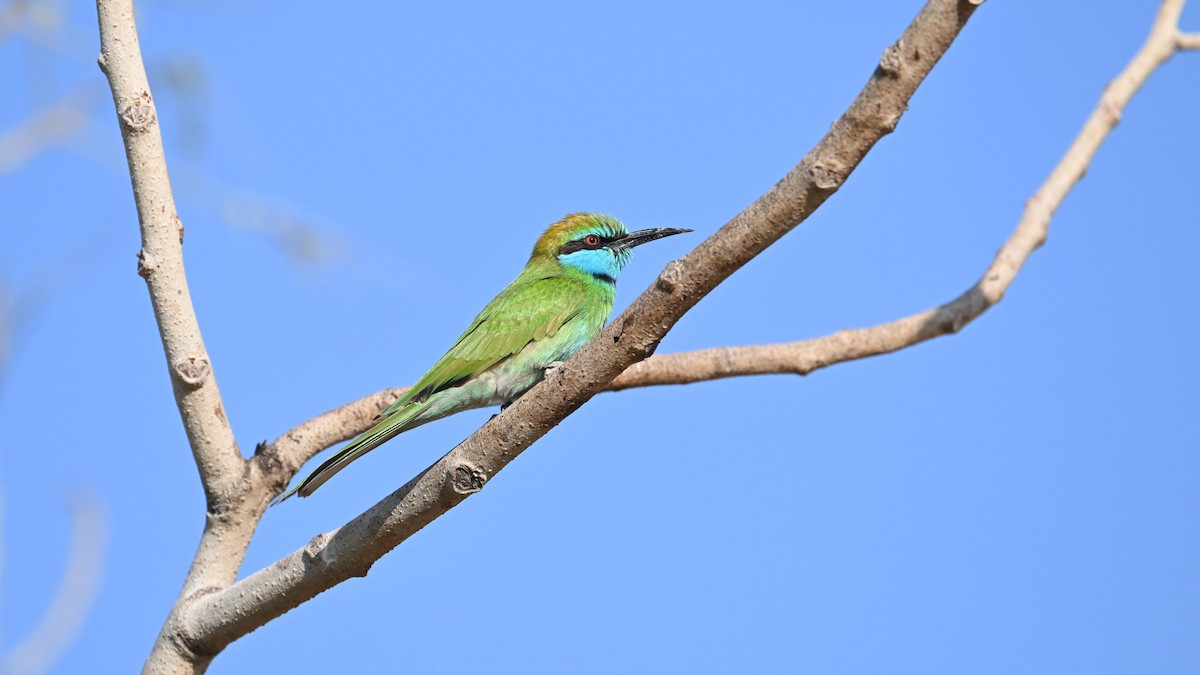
(161, 258)
(221, 617)
(233, 509)
(1188, 41)
(804, 356)
(808, 355)
(286, 454)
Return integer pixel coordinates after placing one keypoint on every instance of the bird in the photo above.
(559, 302)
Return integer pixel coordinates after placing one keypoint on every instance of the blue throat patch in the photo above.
(602, 263)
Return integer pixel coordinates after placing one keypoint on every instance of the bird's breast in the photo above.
(516, 375)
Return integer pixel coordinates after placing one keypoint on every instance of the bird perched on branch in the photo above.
(559, 302)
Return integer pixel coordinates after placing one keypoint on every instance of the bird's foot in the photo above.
(554, 365)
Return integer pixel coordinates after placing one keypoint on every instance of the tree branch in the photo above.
(806, 356)
(160, 261)
(232, 509)
(284, 456)
(216, 619)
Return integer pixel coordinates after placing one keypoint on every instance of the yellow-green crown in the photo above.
(576, 225)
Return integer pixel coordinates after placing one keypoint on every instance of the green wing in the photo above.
(526, 311)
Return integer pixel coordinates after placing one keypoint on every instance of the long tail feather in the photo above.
(370, 439)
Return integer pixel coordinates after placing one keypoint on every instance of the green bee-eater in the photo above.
(559, 302)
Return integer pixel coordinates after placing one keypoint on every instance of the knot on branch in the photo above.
(314, 548)
(1110, 110)
(892, 61)
(827, 176)
(889, 125)
(466, 479)
(193, 370)
(649, 348)
(146, 265)
(140, 114)
(668, 280)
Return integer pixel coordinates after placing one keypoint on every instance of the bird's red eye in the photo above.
(591, 240)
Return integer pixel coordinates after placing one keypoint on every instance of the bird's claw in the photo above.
(554, 365)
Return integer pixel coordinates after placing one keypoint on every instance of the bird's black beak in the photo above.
(642, 236)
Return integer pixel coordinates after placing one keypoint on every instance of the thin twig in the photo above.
(302, 442)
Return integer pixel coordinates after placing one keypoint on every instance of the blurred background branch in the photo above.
(38, 651)
(67, 119)
(52, 126)
(76, 594)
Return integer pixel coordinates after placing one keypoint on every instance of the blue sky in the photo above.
(1021, 497)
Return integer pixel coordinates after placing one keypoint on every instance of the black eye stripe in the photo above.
(580, 243)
